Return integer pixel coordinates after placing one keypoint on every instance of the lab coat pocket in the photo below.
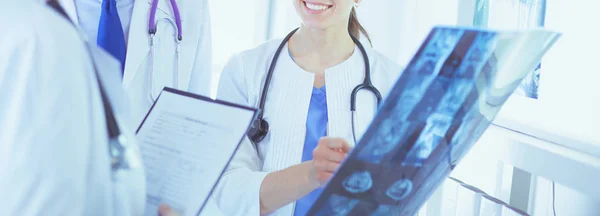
(164, 64)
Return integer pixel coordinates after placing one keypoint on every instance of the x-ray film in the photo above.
(444, 101)
(337, 206)
(358, 182)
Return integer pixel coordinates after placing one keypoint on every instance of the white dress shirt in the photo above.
(89, 11)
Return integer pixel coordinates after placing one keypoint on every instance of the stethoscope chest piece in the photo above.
(117, 148)
(258, 131)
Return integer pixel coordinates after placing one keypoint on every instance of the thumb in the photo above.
(166, 210)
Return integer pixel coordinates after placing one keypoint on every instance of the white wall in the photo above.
(284, 18)
(573, 62)
(237, 25)
(398, 27)
(383, 21)
(568, 202)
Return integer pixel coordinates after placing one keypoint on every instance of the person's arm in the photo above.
(244, 188)
(201, 75)
(238, 190)
(166, 210)
(283, 187)
(47, 147)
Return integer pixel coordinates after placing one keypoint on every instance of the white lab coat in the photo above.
(194, 64)
(53, 137)
(286, 110)
(195, 61)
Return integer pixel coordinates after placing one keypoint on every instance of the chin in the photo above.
(315, 25)
(315, 14)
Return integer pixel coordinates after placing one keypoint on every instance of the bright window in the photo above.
(569, 95)
(236, 26)
(514, 14)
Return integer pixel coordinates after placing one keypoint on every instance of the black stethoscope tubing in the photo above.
(116, 139)
(260, 127)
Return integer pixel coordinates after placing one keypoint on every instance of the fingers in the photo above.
(329, 154)
(335, 143)
(165, 210)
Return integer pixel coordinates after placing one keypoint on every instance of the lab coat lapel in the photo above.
(69, 7)
(341, 80)
(186, 61)
(106, 66)
(138, 45)
(164, 5)
(191, 24)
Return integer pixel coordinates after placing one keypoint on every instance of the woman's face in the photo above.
(322, 14)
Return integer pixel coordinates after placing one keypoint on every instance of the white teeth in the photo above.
(316, 7)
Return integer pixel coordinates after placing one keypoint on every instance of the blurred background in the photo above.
(542, 154)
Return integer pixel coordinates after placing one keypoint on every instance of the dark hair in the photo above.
(355, 28)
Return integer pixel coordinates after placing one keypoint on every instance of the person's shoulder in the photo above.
(35, 23)
(35, 39)
(14, 20)
(18, 23)
(255, 59)
(383, 64)
(263, 50)
(247, 68)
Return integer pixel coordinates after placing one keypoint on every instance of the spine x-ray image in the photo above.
(446, 98)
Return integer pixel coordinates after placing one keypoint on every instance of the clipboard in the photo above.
(179, 143)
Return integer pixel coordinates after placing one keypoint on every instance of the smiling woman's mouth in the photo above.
(316, 7)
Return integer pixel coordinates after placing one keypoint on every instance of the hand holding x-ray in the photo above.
(327, 157)
(166, 210)
(443, 102)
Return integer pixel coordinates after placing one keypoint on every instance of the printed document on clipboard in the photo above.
(187, 142)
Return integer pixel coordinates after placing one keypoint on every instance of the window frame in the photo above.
(536, 118)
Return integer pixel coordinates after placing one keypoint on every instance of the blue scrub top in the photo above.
(316, 127)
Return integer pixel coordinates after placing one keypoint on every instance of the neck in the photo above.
(331, 46)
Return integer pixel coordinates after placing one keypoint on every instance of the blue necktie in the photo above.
(110, 32)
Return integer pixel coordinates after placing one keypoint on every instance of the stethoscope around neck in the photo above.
(260, 127)
(152, 29)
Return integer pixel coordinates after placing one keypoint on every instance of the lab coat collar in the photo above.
(138, 45)
(69, 7)
(164, 5)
